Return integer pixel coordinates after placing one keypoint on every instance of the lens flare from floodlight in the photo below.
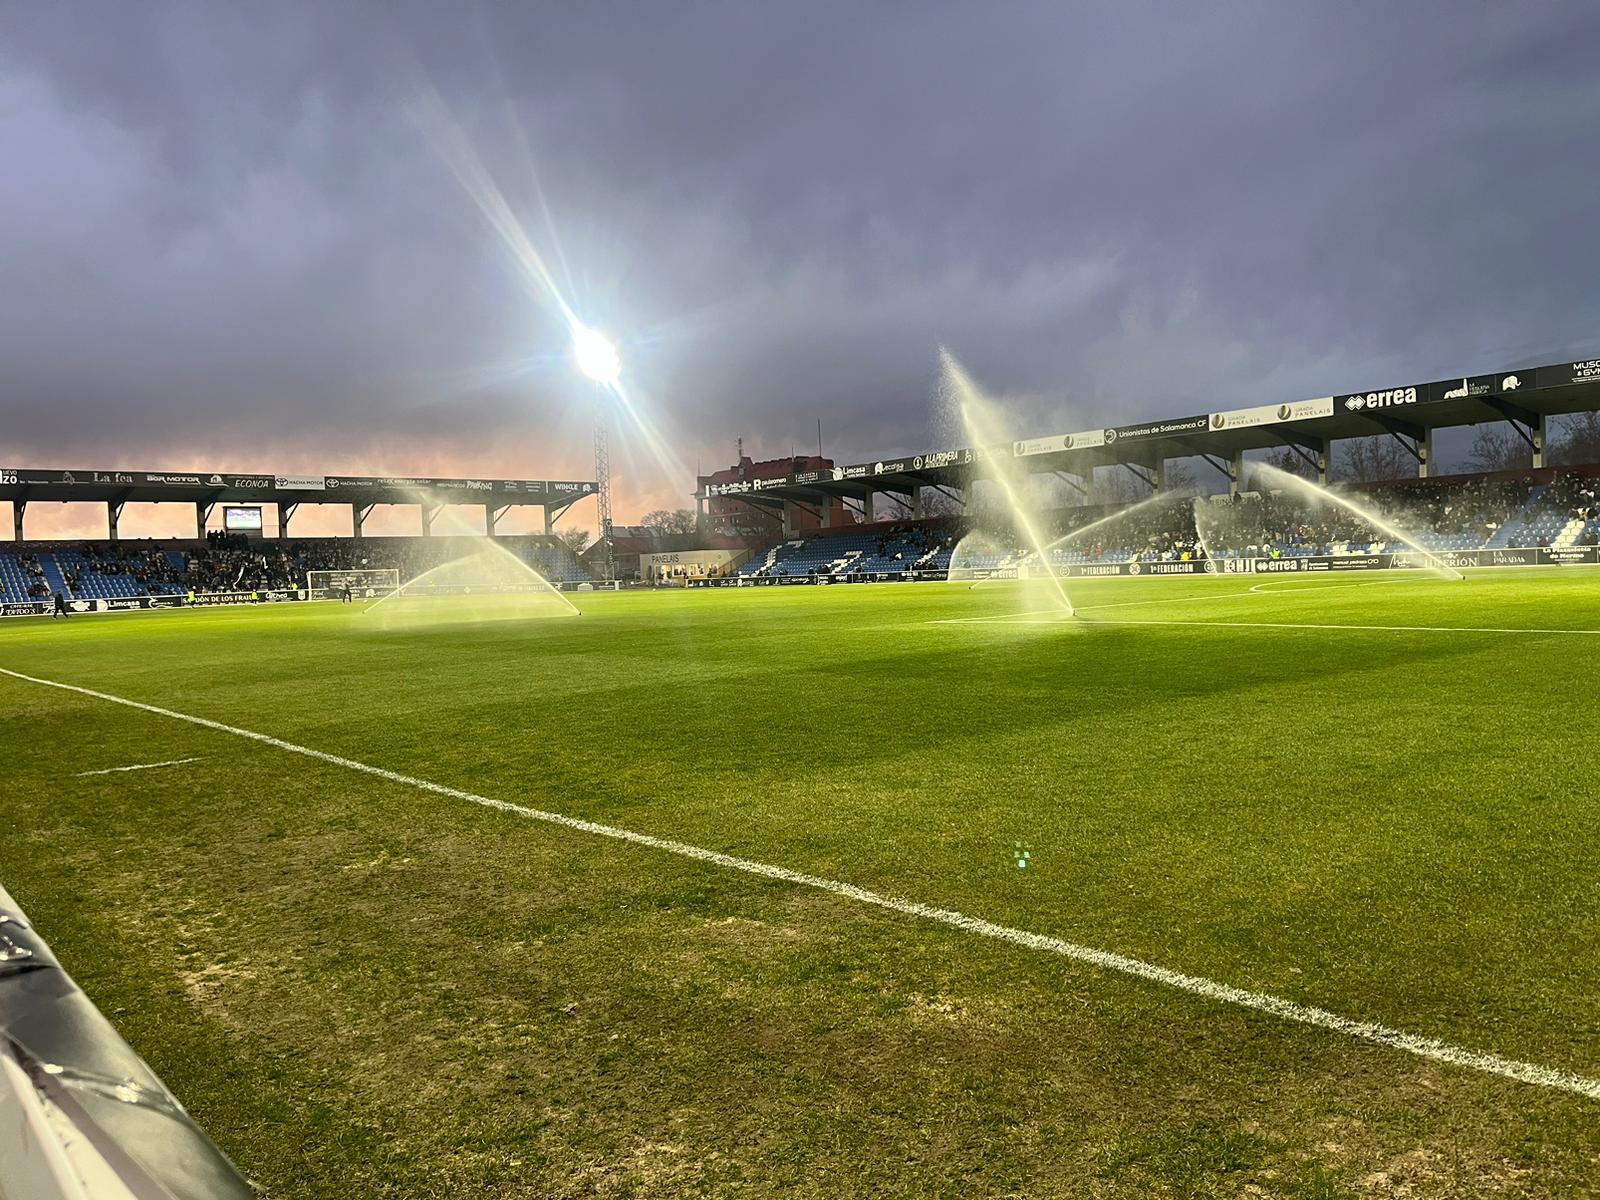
(597, 357)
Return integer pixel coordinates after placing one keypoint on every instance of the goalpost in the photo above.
(364, 584)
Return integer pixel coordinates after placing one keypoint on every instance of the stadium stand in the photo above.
(94, 572)
(896, 548)
(1518, 510)
(1456, 514)
(101, 571)
(22, 577)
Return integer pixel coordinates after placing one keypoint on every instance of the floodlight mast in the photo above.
(598, 359)
(602, 487)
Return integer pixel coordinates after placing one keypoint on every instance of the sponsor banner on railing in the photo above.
(1570, 556)
(1531, 556)
(1191, 567)
(1086, 440)
(1523, 556)
(301, 483)
(1365, 562)
(1510, 558)
(1129, 433)
(39, 608)
(264, 596)
(469, 491)
(1272, 414)
(1303, 563)
(1105, 570)
(1089, 570)
(940, 459)
(1567, 373)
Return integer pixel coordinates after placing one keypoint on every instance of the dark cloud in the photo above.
(224, 233)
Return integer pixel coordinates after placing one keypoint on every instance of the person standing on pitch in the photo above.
(344, 594)
(60, 609)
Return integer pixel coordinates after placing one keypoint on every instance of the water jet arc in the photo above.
(1147, 502)
(982, 427)
(1435, 563)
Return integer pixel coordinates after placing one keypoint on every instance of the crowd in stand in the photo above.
(1579, 495)
(910, 542)
(234, 563)
(1150, 530)
(1270, 518)
(151, 571)
(1472, 506)
(1273, 521)
(230, 562)
(35, 586)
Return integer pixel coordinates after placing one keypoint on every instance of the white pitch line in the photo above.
(171, 762)
(1037, 612)
(1275, 586)
(1289, 1010)
(1351, 628)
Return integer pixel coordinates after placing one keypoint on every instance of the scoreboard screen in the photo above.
(242, 520)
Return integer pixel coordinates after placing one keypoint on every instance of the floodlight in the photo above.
(597, 357)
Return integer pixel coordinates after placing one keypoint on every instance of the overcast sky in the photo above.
(231, 235)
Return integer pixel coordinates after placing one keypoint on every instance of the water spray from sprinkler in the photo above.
(983, 431)
(1435, 563)
(1147, 502)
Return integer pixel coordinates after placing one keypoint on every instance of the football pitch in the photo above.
(718, 892)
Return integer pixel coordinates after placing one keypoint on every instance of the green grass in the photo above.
(365, 989)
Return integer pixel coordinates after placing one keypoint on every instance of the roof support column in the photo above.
(1538, 432)
(788, 519)
(1236, 472)
(202, 513)
(1425, 454)
(358, 516)
(113, 515)
(916, 504)
(1079, 483)
(867, 508)
(488, 519)
(1159, 479)
(18, 508)
(549, 521)
(1151, 480)
(429, 511)
(285, 511)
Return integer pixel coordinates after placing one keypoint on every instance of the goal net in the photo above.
(364, 584)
